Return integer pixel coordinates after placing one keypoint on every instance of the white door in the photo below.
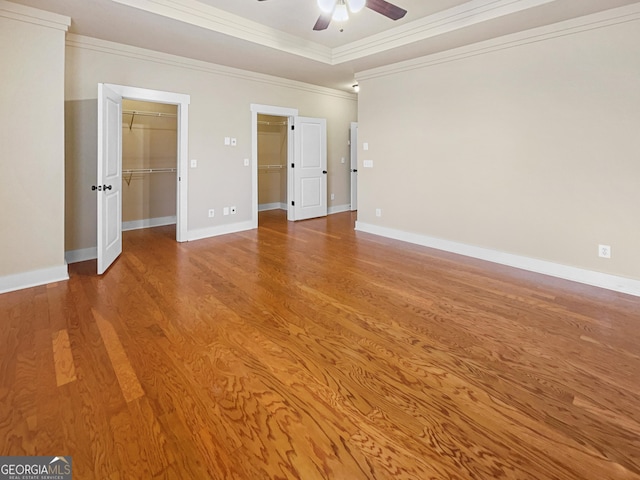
(310, 168)
(109, 184)
(353, 142)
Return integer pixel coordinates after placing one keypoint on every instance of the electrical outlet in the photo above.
(212, 213)
(233, 210)
(378, 212)
(604, 251)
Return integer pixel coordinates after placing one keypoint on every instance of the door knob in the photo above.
(107, 187)
(324, 171)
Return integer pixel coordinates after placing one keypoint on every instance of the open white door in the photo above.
(109, 184)
(353, 142)
(310, 168)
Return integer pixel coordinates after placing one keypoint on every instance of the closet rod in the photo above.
(149, 170)
(269, 167)
(264, 122)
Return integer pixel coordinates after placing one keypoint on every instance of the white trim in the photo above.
(588, 277)
(574, 26)
(195, 12)
(263, 207)
(34, 278)
(142, 54)
(339, 209)
(148, 223)
(81, 255)
(219, 230)
(257, 109)
(34, 16)
(214, 19)
(182, 101)
(449, 20)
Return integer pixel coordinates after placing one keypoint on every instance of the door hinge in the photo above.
(293, 165)
(293, 204)
(293, 127)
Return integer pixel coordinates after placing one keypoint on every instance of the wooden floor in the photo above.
(311, 351)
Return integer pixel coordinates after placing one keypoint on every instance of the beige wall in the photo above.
(531, 150)
(220, 107)
(148, 142)
(31, 141)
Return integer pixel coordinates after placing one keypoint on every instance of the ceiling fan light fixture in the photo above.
(356, 5)
(327, 5)
(340, 13)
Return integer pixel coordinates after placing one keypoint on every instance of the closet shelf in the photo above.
(264, 122)
(143, 113)
(134, 171)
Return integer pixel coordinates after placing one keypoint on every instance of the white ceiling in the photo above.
(276, 36)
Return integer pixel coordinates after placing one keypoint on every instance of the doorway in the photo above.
(273, 152)
(306, 163)
(110, 171)
(149, 164)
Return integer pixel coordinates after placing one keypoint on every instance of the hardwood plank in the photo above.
(308, 350)
(63, 358)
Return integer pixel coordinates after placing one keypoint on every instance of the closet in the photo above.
(149, 164)
(272, 162)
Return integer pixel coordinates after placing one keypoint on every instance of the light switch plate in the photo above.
(365, 146)
(246, 162)
(227, 141)
(234, 142)
(194, 163)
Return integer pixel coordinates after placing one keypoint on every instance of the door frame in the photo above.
(353, 165)
(290, 113)
(182, 101)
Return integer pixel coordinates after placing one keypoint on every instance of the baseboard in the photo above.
(148, 223)
(34, 278)
(263, 207)
(339, 209)
(219, 230)
(81, 255)
(588, 277)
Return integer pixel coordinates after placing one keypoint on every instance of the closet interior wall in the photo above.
(272, 162)
(149, 164)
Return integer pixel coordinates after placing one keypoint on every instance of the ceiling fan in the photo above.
(338, 10)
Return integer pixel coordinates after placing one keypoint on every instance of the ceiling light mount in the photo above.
(338, 10)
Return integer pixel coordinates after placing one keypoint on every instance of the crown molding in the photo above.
(122, 50)
(625, 14)
(217, 20)
(34, 16)
(205, 16)
(462, 16)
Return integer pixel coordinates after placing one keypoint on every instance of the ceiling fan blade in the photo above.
(387, 9)
(323, 22)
